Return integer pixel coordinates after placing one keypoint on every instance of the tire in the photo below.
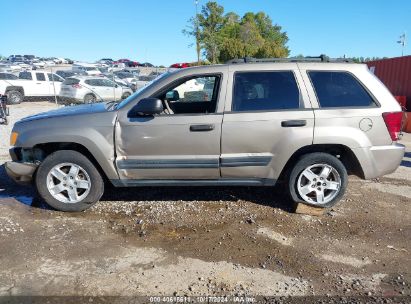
(331, 185)
(14, 97)
(125, 95)
(87, 175)
(90, 98)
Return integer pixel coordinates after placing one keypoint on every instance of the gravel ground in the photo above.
(208, 241)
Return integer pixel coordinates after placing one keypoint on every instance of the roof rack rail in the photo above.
(321, 58)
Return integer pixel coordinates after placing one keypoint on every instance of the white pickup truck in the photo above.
(31, 84)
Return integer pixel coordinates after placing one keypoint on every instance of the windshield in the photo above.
(141, 90)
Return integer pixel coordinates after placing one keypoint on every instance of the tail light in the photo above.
(76, 86)
(393, 122)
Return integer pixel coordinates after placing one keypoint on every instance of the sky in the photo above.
(151, 31)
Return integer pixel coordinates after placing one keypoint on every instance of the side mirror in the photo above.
(146, 106)
(172, 95)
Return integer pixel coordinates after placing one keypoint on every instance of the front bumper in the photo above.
(21, 173)
(377, 161)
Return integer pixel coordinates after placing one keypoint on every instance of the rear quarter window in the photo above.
(336, 89)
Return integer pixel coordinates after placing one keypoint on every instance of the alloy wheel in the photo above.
(68, 183)
(319, 184)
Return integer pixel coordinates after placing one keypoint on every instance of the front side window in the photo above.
(339, 89)
(192, 96)
(265, 91)
(40, 77)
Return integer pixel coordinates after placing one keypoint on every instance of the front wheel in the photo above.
(14, 97)
(318, 179)
(68, 181)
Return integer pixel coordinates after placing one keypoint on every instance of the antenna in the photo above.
(403, 42)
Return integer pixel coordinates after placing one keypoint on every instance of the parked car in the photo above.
(89, 89)
(120, 81)
(10, 67)
(89, 69)
(146, 64)
(126, 76)
(117, 67)
(180, 65)
(127, 62)
(29, 57)
(38, 64)
(69, 73)
(308, 124)
(107, 61)
(15, 58)
(30, 84)
(4, 111)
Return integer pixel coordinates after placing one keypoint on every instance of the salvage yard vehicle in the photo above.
(90, 89)
(87, 68)
(254, 122)
(30, 84)
(4, 111)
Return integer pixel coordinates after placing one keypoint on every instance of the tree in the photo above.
(224, 37)
(211, 21)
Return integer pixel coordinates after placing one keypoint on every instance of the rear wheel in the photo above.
(318, 179)
(14, 97)
(90, 98)
(68, 181)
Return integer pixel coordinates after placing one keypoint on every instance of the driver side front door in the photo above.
(181, 144)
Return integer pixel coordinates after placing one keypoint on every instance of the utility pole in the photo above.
(197, 34)
(402, 41)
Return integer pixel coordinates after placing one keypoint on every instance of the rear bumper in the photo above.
(380, 160)
(21, 173)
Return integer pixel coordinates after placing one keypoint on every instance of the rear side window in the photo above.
(25, 75)
(257, 91)
(40, 77)
(93, 82)
(339, 89)
(71, 81)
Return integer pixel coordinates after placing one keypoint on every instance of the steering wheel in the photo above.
(168, 107)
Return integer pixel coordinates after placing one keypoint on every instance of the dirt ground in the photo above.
(221, 241)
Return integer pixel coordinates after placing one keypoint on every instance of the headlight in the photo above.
(13, 138)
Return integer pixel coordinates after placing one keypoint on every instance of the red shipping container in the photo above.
(395, 73)
(402, 100)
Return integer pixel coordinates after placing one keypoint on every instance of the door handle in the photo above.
(201, 128)
(293, 123)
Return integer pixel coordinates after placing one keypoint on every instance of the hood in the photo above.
(69, 111)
